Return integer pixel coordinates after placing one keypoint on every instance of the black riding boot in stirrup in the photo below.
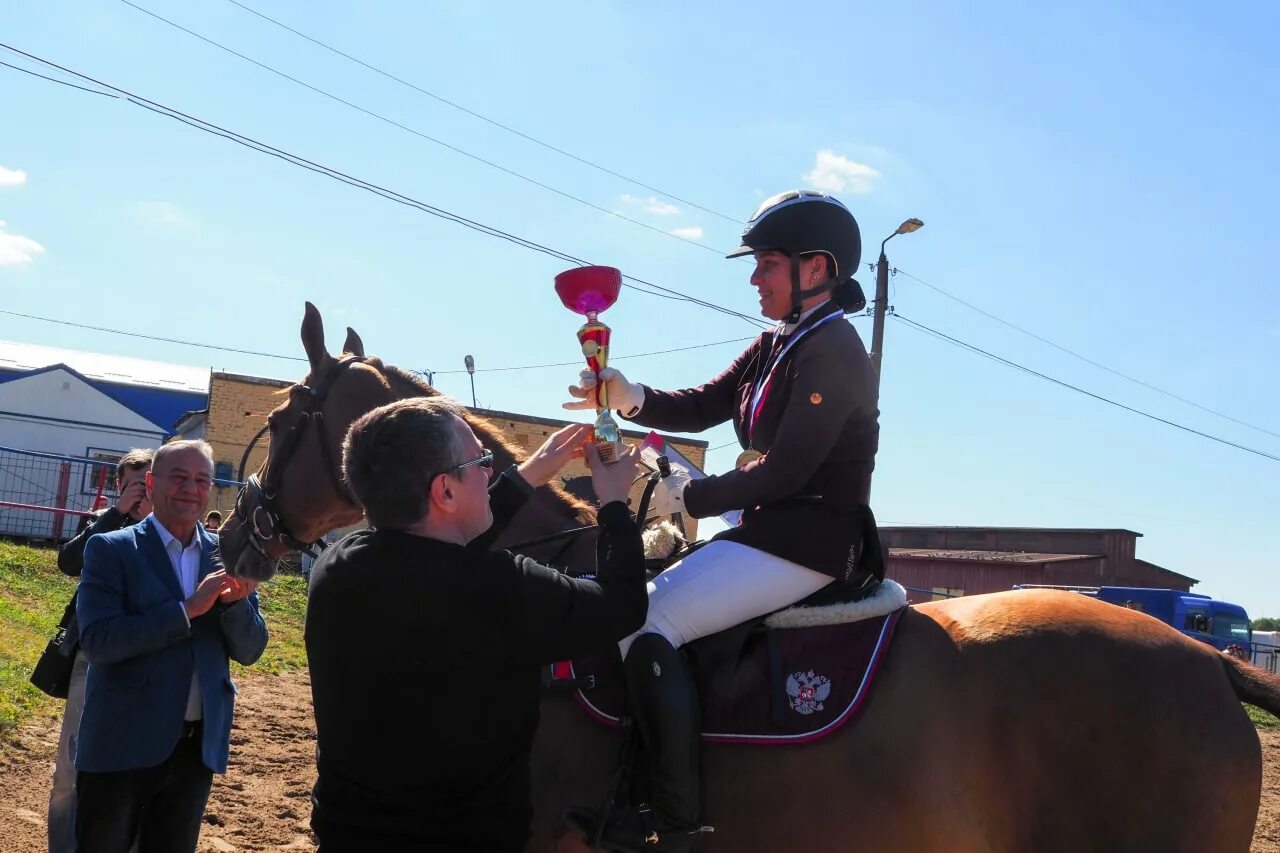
(664, 703)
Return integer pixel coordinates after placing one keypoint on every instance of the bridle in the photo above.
(264, 522)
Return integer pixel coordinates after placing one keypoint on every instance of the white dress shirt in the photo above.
(186, 565)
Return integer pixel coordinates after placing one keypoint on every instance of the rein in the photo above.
(264, 521)
(569, 535)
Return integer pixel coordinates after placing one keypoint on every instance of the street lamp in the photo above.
(882, 295)
(471, 371)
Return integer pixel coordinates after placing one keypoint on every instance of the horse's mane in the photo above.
(493, 437)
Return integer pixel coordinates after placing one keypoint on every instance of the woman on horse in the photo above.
(802, 399)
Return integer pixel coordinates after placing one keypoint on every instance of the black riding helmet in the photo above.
(806, 222)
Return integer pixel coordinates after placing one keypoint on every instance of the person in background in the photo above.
(213, 521)
(132, 505)
(100, 502)
(159, 619)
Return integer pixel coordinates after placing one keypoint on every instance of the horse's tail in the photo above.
(1253, 685)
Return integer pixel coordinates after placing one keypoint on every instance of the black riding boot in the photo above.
(664, 703)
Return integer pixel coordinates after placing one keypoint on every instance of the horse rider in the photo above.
(802, 398)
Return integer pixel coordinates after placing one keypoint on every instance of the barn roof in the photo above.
(1176, 575)
(999, 529)
(985, 556)
(116, 369)
(156, 390)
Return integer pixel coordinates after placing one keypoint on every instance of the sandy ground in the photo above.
(262, 804)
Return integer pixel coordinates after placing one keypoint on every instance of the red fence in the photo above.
(44, 495)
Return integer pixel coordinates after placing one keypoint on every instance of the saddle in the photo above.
(790, 677)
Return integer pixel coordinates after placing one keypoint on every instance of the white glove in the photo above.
(626, 397)
(668, 496)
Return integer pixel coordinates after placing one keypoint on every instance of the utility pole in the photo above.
(471, 371)
(882, 297)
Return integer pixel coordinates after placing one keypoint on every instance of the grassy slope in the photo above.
(33, 593)
(1262, 719)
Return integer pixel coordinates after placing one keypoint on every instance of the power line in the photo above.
(391, 195)
(611, 358)
(198, 345)
(454, 148)
(59, 82)
(149, 337)
(1085, 359)
(491, 231)
(482, 117)
(979, 351)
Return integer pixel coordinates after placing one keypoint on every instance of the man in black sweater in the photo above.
(425, 647)
(130, 507)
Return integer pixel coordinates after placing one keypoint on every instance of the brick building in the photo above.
(238, 408)
(940, 562)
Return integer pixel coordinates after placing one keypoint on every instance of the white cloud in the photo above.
(163, 213)
(16, 250)
(652, 204)
(12, 177)
(693, 232)
(833, 172)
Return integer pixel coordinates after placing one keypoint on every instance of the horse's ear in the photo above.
(354, 345)
(313, 337)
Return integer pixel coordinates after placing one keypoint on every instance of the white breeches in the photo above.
(721, 585)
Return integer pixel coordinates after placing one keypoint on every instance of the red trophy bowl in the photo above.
(588, 291)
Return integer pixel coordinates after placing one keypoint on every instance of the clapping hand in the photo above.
(211, 588)
(236, 589)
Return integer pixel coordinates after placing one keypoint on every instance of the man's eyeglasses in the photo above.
(484, 460)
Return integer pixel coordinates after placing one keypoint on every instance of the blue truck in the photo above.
(1221, 624)
(1218, 623)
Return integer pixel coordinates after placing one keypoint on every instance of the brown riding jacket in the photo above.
(806, 499)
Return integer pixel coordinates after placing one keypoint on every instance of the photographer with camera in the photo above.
(132, 505)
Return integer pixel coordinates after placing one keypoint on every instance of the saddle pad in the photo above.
(789, 686)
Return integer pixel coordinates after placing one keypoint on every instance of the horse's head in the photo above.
(298, 494)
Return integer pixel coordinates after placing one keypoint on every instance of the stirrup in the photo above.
(590, 823)
(631, 829)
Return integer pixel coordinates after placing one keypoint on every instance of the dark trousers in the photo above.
(161, 806)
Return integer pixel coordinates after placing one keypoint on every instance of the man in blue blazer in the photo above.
(158, 620)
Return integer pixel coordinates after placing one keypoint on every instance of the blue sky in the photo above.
(1102, 177)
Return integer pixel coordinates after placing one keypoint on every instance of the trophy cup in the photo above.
(588, 291)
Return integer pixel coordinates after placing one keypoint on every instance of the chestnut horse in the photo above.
(1028, 720)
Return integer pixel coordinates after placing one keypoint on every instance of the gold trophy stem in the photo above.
(594, 338)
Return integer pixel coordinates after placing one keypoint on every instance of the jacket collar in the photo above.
(784, 330)
(151, 544)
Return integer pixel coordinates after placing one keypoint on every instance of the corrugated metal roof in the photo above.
(1152, 565)
(997, 529)
(985, 556)
(118, 369)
